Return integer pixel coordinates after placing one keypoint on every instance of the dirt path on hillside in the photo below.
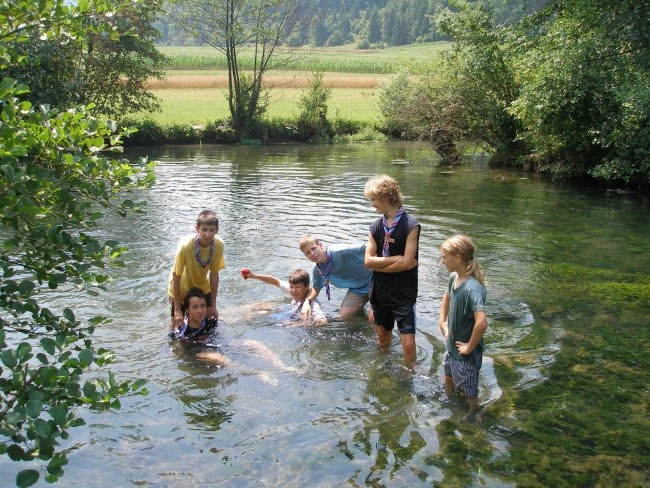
(287, 80)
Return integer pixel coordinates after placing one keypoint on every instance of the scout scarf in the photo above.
(388, 231)
(326, 274)
(197, 252)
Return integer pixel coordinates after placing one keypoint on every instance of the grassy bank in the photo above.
(197, 106)
(195, 90)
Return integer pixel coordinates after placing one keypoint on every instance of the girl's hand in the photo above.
(462, 347)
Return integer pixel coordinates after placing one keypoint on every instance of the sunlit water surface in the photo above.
(565, 377)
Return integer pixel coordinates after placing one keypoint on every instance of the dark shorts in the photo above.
(403, 315)
(171, 303)
(464, 373)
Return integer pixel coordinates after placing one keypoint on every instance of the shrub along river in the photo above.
(565, 377)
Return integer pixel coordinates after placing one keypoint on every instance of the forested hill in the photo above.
(366, 23)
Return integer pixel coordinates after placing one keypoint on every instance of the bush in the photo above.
(312, 122)
(183, 134)
(366, 134)
(346, 126)
(148, 132)
(281, 129)
(219, 132)
(363, 44)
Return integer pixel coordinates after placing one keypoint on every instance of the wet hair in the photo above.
(384, 188)
(194, 292)
(308, 240)
(463, 246)
(207, 217)
(299, 276)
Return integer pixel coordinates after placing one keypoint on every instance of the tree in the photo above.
(118, 64)
(55, 183)
(312, 121)
(238, 28)
(585, 102)
(425, 109)
(108, 68)
(466, 97)
(318, 32)
(53, 75)
(374, 26)
(481, 71)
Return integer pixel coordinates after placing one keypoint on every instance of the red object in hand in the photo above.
(244, 272)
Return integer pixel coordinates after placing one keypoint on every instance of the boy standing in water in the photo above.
(392, 254)
(199, 258)
(462, 318)
(342, 266)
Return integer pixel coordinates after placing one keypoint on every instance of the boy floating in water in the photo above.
(297, 288)
(196, 327)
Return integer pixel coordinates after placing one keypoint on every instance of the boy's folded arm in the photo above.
(374, 262)
(396, 264)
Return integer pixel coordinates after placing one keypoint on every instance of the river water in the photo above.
(565, 378)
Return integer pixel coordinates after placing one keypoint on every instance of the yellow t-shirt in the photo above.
(191, 272)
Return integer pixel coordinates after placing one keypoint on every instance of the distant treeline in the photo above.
(368, 23)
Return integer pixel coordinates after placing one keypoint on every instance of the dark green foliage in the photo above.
(346, 126)
(108, 68)
(370, 23)
(585, 101)
(219, 132)
(53, 74)
(55, 184)
(277, 129)
(565, 91)
(183, 134)
(144, 132)
(116, 67)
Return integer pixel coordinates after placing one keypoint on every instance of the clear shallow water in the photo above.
(564, 381)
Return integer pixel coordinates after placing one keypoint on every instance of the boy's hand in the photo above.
(178, 318)
(212, 312)
(305, 311)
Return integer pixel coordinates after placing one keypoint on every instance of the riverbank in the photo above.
(268, 130)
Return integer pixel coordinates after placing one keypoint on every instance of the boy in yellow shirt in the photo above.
(199, 257)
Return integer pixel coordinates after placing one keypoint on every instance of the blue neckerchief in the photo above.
(327, 273)
(388, 231)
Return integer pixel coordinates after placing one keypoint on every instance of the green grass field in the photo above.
(197, 106)
(193, 95)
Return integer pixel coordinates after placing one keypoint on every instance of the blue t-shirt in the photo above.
(347, 269)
